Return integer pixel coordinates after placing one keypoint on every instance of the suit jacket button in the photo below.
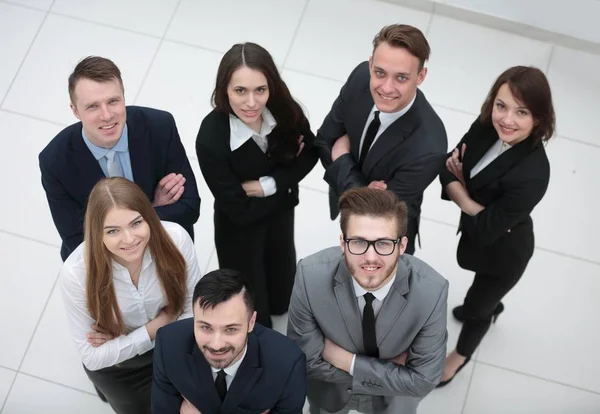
(289, 191)
(349, 390)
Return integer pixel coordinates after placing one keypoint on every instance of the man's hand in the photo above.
(188, 408)
(253, 188)
(340, 147)
(337, 356)
(379, 185)
(98, 336)
(168, 190)
(400, 359)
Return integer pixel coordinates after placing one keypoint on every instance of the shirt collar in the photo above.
(233, 368)
(388, 119)
(379, 294)
(122, 144)
(240, 132)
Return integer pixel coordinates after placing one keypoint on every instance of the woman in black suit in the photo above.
(497, 174)
(253, 149)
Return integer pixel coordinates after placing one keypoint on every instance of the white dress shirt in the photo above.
(494, 152)
(230, 370)
(386, 120)
(138, 306)
(379, 294)
(240, 133)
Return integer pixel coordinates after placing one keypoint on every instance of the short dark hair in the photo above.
(365, 201)
(530, 86)
(96, 68)
(407, 37)
(221, 285)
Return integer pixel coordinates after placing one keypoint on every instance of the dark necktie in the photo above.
(221, 384)
(368, 325)
(369, 138)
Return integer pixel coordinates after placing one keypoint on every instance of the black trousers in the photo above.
(127, 385)
(483, 296)
(265, 253)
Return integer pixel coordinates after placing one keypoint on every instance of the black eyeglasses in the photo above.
(383, 247)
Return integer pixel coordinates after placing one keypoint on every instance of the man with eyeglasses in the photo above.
(370, 319)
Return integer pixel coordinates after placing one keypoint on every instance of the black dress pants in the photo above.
(127, 385)
(265, 253)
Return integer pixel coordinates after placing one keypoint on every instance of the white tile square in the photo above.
(451, 398)
(123, 14)
(575, 81)
(204, 229)
(40, 88)
(36, 4)
(20, 25)
(31, 216)
(336, 36)
(6, 379)
(29, 270)
(218, 25)
(181, 81)
(32, 396)
(497, 391)
(548, 327)
(466, 59)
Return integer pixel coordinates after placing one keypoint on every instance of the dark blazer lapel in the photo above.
(357, 119)
(476, 149)
(393, 304)
(348, 304)
(245, 378)
(206, 399)
(88, 171)
(142, 160)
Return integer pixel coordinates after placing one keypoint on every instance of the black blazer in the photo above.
(407, 156)
(499, 239)
(272, 375)
(225, 170)
(70, 171)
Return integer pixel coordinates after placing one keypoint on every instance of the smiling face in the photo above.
(395, 77)
(222, 332)
(100, 106)
(248, 93)
(511, 119)
(126, 235)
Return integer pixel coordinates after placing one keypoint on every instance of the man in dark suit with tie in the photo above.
(381, 132)
(140, 144)
(221, 361)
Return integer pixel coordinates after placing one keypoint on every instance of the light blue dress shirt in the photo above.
(121, 149)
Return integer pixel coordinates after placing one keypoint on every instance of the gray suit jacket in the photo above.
(412, 318)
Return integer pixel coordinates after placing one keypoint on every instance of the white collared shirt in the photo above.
(494, 152)
(380, 294)
(240, 133)
(138, 306)
(386, 120)
(230, 370)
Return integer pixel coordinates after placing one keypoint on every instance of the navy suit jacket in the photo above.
(272, 375)
(70, 171)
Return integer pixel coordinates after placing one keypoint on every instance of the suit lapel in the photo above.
(88, 171)
(393, 304)
(245, 378)
(205, 399)
(140, 156)
(358, 119)
(348, 304)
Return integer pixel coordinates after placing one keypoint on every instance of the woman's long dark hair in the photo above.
(283, 141)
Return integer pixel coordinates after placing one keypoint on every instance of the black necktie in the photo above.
(369, 138)
(368, 325)
(221, 384)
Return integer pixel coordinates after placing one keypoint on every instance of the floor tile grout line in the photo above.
(160, 43)
(3, 366)
(93, 394)
(303, 72)
(287, 55)
(550, 57)
(432, 12)
(29, 238)
(12, 82)
(23, 6)
(10, 111)
(212, 253)
(464, 405)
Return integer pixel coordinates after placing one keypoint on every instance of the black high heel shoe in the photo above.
(458, 313)
(444, 383)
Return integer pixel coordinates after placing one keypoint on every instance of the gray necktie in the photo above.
(112, 165)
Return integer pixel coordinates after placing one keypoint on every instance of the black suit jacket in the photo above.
(407, 156)
(225, 170)
(70, 171)
(499, 240)
(272, 375)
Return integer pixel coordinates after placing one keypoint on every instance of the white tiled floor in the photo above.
(539, 358)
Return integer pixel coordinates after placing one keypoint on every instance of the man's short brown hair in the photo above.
(407, 37)
(372, 202)
(96, 68)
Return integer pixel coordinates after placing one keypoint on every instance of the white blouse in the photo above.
(494, 152)
(138, 306)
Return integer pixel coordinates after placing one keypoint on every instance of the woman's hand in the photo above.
(98, 336)
(300, 145)
(253, 188)
(455, 165)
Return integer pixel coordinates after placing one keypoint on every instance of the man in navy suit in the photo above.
(221, 361)
(140, 144)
